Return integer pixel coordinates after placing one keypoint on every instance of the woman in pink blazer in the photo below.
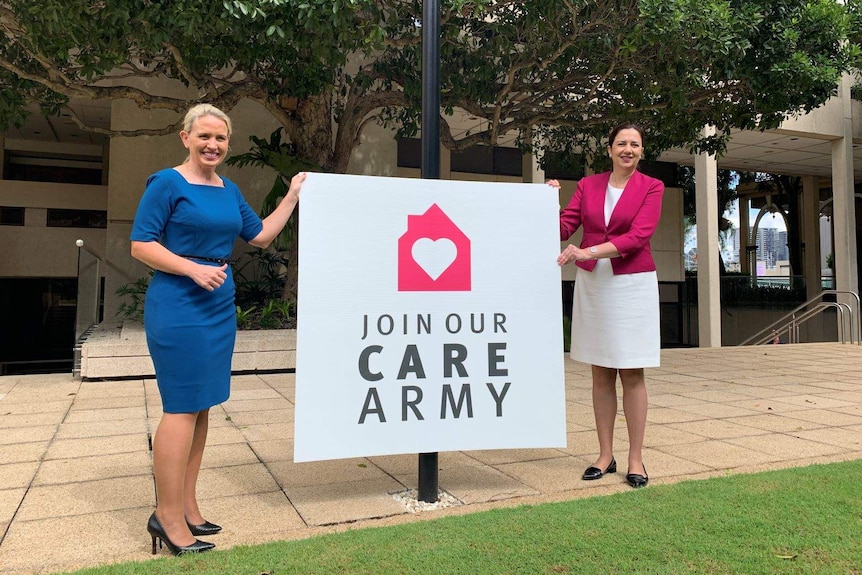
(615, 323)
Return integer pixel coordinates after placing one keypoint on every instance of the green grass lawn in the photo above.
(804, 521)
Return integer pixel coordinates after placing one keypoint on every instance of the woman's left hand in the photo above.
(573, 253)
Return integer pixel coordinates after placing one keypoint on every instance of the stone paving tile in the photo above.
(289, 474)
(398, 465)
(775, 422)
(800, 389)
(31, 407)
(101, 429)
(114, 414)
(81, 498)
(497, 456)
(92, 468)
(853, 397)
(240, 405)
(21, 452)
(264, 517)
(235, 480)
(248, 394)
(222, 435)
(716, 410)
(27, 434)
(674, 377)
(90, 390)
(586, 443)
(660, 464)
(671, 400)
(551, 475)
(113, 402)
(122, 537)
(244, 418)
(719, 454)
(10, 499)
(273, 449)
(269, 431)
(30, 419)
(227, 454)
(766, 405)
(88, 446)
(668, 434)
(472, 484)
(670, 415)
(248, 382)
(785, 446)
(846, 437)
(850, 410)
(716, 395)
(13, 475)
(714, 429)
(339, 502)
(833, 417)
(819, 401)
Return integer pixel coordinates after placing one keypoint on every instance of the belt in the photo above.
(220, 261)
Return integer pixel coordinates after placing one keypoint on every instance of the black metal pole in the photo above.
(428, 468)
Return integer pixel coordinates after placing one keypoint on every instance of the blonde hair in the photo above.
(201, 110)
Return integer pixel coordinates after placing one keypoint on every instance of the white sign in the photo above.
(429, 317)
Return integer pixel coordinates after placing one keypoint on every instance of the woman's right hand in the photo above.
(554, 183)
(208, 277)
(296, 184)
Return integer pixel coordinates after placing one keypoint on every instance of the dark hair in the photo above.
(625, 126)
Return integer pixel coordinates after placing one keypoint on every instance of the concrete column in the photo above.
(744, 235)
(843, 202)
(810, 209)
(708, 286)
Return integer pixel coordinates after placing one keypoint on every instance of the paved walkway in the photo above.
(75, 470)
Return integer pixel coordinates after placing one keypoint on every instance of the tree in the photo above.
(559, 71)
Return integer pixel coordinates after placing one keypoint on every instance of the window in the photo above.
(11, 216)
(498, 160)
(58, 218)
(563, 166)
(47, 167)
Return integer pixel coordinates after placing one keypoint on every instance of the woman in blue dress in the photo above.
(185, 228)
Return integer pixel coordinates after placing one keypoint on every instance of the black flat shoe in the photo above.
(592, 473)
(156, 531)
(205, 528)
(637, 480)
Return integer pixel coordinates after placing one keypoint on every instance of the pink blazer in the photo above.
(631, 225)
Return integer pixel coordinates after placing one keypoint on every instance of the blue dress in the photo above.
(191, 331)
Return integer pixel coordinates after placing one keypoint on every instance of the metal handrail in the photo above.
(793, 329)
(790, 321)
(87, 306)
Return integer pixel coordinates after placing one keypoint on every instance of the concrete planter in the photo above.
(111, 351)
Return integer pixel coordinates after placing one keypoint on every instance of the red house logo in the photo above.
(433, 254)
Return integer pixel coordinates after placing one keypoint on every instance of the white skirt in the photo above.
(616, 318)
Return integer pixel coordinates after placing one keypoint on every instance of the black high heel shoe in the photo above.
(205, 528)
(637, 480)
(156, 531)
(592, 472)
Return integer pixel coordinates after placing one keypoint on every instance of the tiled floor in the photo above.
(75, 466)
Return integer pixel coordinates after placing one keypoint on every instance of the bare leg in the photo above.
(171, 449)
(190, 501)
(635, 408)
(605, 411)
